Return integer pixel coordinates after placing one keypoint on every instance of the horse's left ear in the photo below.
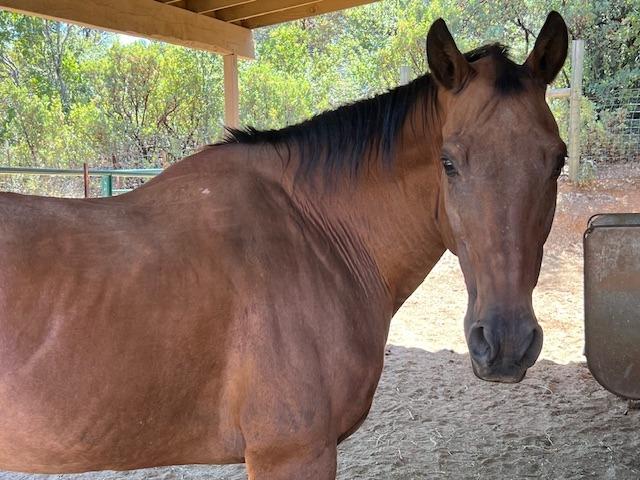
(550, 51)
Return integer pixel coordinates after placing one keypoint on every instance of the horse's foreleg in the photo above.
(303, 464)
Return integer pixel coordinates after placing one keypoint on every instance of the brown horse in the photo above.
(236, 307)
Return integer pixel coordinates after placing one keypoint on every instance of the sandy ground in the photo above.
(433, 419)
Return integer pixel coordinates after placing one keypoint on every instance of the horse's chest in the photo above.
(355, 389)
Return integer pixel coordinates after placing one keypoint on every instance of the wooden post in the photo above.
(577, 63)
(164, 162)
(405, 72)
(231, 92)
(85, 179)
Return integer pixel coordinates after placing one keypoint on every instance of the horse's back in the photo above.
(147, 329)
(114, 317)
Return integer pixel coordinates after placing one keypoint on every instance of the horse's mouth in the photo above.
(500, 374)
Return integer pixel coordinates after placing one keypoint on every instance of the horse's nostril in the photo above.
(533, 350)
(479, 345)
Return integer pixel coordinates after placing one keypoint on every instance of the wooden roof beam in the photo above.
(144, 18)
(309, 10)
(262, 7)
(206, 6)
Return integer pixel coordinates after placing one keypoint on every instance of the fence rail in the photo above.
(106, 175)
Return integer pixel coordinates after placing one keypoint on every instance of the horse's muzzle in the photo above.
(501, 354)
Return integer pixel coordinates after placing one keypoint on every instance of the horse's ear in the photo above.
(447, 64)
(550, 51)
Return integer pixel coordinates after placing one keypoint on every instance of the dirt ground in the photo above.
(432, 419)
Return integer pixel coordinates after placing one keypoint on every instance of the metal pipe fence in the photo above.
(107, 176)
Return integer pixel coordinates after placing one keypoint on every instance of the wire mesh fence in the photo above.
(615, 133)
(609, 129)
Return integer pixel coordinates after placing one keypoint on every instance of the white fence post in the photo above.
(405, 73)
(577, 64)
(231, 94)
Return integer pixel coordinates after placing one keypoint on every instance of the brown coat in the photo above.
(234, 310)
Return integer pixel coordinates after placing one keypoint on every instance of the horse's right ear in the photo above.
(550, 51)
(447, 64)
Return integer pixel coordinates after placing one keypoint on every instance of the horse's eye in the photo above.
(449, 167)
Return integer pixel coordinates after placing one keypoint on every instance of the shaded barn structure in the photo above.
(219, 26)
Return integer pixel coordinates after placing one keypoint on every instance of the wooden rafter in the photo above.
(145, 18)
(260, 13)
(206, 6)
(255, 9)
(306, 10)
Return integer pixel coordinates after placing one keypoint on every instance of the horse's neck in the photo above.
(385, 223)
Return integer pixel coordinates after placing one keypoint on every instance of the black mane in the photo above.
(339, 140)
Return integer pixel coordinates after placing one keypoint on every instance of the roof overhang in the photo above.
(261, 13)
(144, 18)
(220, 26)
